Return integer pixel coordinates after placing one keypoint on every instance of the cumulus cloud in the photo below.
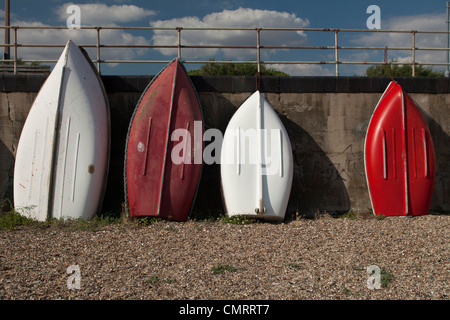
(99, 14)
(243, 18)
(423, 22)
(91, 14)
(80, 37)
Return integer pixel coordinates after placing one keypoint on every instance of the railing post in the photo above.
(7, 30)
(179, 42)
(258, 49)
(447, 68)
(98, 48)
(15, 49)
(336, 55)
(413, 53)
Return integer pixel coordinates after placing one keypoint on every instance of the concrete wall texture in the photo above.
(326, 119)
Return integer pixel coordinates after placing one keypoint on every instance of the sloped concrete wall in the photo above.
(326, 119)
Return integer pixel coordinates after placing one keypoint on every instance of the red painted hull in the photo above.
(399, 157)
(155, 185)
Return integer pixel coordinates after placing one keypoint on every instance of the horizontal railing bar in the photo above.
(244, 62)
(89, 28)
(339, 47)
(432, 49)
(220, 62)
(376, 48)
(225, 47)
(93, 46)
(184, 61)
(353, 62)
(37, 61)
(228, 29)
(220, 46)
(132, 61)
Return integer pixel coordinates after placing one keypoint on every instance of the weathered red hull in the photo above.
(399, 157)
(155, 185)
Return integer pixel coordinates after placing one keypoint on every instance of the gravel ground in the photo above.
(325, 258)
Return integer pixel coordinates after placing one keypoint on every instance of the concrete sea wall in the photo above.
(326, 119)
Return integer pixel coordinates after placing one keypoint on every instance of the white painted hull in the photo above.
(63, 153)
(256, 162)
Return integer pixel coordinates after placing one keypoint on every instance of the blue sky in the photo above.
(395, 15)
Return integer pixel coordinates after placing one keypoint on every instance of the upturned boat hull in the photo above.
(399, 157)
(163, 157)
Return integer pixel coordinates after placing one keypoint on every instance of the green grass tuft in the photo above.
(349, 215)
(386, 278)
(237, 219)
(11, 219)
(220, 268)
(154, 279)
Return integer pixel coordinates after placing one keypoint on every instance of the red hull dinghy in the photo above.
(399, 157)
(166, 126)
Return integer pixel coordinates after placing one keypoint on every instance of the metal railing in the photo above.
(16, 45)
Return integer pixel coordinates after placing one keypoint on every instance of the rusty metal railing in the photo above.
(16, 45)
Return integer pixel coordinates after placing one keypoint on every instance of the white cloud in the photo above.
(418, 22)
(99, 14)
(80, 37)
(243, 18)
(91, 14)
(423, 22)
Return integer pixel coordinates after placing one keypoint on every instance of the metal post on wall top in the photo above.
(447, 72)
(7, 30)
